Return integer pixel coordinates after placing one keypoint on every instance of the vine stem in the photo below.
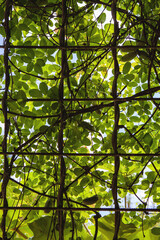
(116, 121)
(62, 41)
(6, 174)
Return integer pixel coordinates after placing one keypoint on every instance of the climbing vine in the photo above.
(79, 122)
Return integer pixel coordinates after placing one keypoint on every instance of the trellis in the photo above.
(74, 100)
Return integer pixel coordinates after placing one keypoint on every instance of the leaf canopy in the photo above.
(79, 118)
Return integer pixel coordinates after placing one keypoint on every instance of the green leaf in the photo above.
(106, 227)
(17, 191)
(43, 128)
(26, 59)
(126, 67)
(13, 106)
(54, 68)
(29, 113)
(39, 54)
(86, 141)
(130, 77)
(51, 59)
(155, 231)
(102, 18)
(145, 184)
(30, 67)
(90, 200)
(30, 53)
(43, 87)
(148, 139)
(129, 56)
(1, 13)
(151, 176)
(143, 55)
(43, 41)
(95, 38)
(38, 68)
(49, 203)
(41, 62)
(21, 95)
(35, 93)
(2, 31)
(97, 140)
(86, 126)
(1, 71)
(41, 227)
(84, 181)
(33, 28)
(58, 57)
(53, 92)
(23, 27)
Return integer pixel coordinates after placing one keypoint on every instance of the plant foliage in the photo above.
(80, 120)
